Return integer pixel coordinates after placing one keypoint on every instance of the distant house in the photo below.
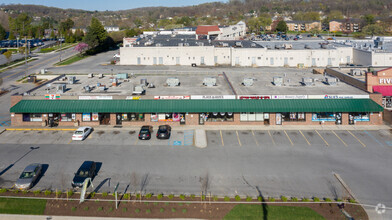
(48, 32)
(73, 30)
(345, 25)
(112, 28)
(303, 25)
(207, 31)
(232, 32)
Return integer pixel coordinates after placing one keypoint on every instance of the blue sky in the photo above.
(102, 5)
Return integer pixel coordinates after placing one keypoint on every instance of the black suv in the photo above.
(87, 170)
(145, 132)
(163, 132)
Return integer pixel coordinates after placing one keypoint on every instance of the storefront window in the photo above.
(387, 102)
(252, 116)
(67, 117)
(293, 116)
(359, 116)
(217, 116)
(324, 116)
(32, 117)
(167, 116)
(132, 117)
(86, 117)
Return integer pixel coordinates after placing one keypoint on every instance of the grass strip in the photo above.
(22, 206)
(244, 211)
(71, 60)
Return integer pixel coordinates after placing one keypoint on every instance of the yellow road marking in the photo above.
(238, 137)
(364, 145)
(340, 138)
(137, 139)
(304, 137)
(322, 138)
(254, 137)
(90, 136)
(288, 138)
(70, 141)
(273, 141)
(223, 143)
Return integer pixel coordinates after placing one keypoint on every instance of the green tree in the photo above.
(373, 29)
(66, 25)
(52, 34)
(3, 33)
(96, 34)
(8, 56)
(264, 9)
(20, 25)
(281, 26)
(369, 19)
(11, 36)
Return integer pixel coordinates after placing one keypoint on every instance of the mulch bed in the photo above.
(184, 209)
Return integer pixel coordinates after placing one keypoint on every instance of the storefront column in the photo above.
(192, 119)
(113, 119)
(147, 118)
(345, 118)
(272, 118)
(236, 117)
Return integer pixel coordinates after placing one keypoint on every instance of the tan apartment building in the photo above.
(303, 25)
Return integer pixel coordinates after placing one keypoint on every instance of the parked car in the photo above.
(3, 51)
(81, 133)
(28, 177)
(164, 132)
(86, 170)
(116, 55)
(145, 132)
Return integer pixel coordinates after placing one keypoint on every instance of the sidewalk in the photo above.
(48, 217)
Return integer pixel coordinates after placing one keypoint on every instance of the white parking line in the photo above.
(238, 137)
(223, 143)
(254, 138)
(273, 141)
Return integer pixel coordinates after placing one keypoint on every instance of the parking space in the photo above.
(231, 139)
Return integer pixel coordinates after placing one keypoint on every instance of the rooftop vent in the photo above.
(173, 81)
(307, 81)
(331, 81)
(355, 72)
(138, 90)
(209, 81)
(143, 82)
(225, 44)
(72, 80)
(277, 80)
(87, 88)
(248, 81)
(61, 88)
(238, 44)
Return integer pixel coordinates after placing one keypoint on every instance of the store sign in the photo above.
(254, 97)
(95, 117)
(338, 96)
(52, 96)
(95, 97)
(132, 98)
(289, 97)
(172, 97)
(86, 116)
(385, 81)
(213, 97)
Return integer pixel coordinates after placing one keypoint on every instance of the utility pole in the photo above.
(61, 39)
(26, 55)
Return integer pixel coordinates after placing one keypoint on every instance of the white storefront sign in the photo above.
(385, 81)
(254, 97)
(132, 98)
(338, 96)
(95, 97)
(212, 96)
(172, 97)
(289, 97)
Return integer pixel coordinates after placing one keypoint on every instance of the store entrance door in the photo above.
(104, 119)
(53, 119)
(118, 119)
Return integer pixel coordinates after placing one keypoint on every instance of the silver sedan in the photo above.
(29, 176)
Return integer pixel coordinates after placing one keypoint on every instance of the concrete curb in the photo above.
(200, 138)
(40, 129)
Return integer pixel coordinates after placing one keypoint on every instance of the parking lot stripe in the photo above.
(288, 138)
(238, 137)
(375, 139)
(70, 141)
(322, 137)
(273, 141)
(137, 139)
(364, 145)
(304, 137)
(339, 138)
(254, 138)
(223, 143)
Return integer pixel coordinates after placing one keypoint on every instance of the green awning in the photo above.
(225, 105)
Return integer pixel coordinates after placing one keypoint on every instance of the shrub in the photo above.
(193, 196)
(126, 196)
(171, 196)
(149, 195)
(215, 198)
(305, 199)
(173, 210)
(47, 192)
(184, 210)
(237, 198)
(315, 199)
(161, 210)
(3, 190)
(327, 200)
(148, 211)
(70, 193)
(352, 201)
(155, 203)
(271, 199)
(137, 210)
(283, 198)
(182, 197)
(110, 209)
(16, 191)
(58, 193)
(203, 197)
(25, 191)
(104, 194)
(138, 196)
(37, 192)
(92, 194)
(85, 208)
(226, 198)
(249, 198)
(73, 209)
(294, 199)
(160, 196)
(100, 208)
(124, 209)
(339, 200)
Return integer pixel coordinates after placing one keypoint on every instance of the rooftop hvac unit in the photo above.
(139, 90)
(248, 81)
(87, 88)
(100, 76)
(122, 75)
(143, 82)
(90, 75)
(180, 44)
(61, 88)
(355, 72)
(288, 46)
(278, 80)
(72, 80)
(331, 81)
(307, 46)
(225, 44)
(43, 71)
(209, 81)
(307, 81)
(173, 81)
(238, 44)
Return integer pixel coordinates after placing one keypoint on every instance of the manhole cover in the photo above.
(132, 132)
(116, 132)
(100, 132)
(39, 132)
(244, 132)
